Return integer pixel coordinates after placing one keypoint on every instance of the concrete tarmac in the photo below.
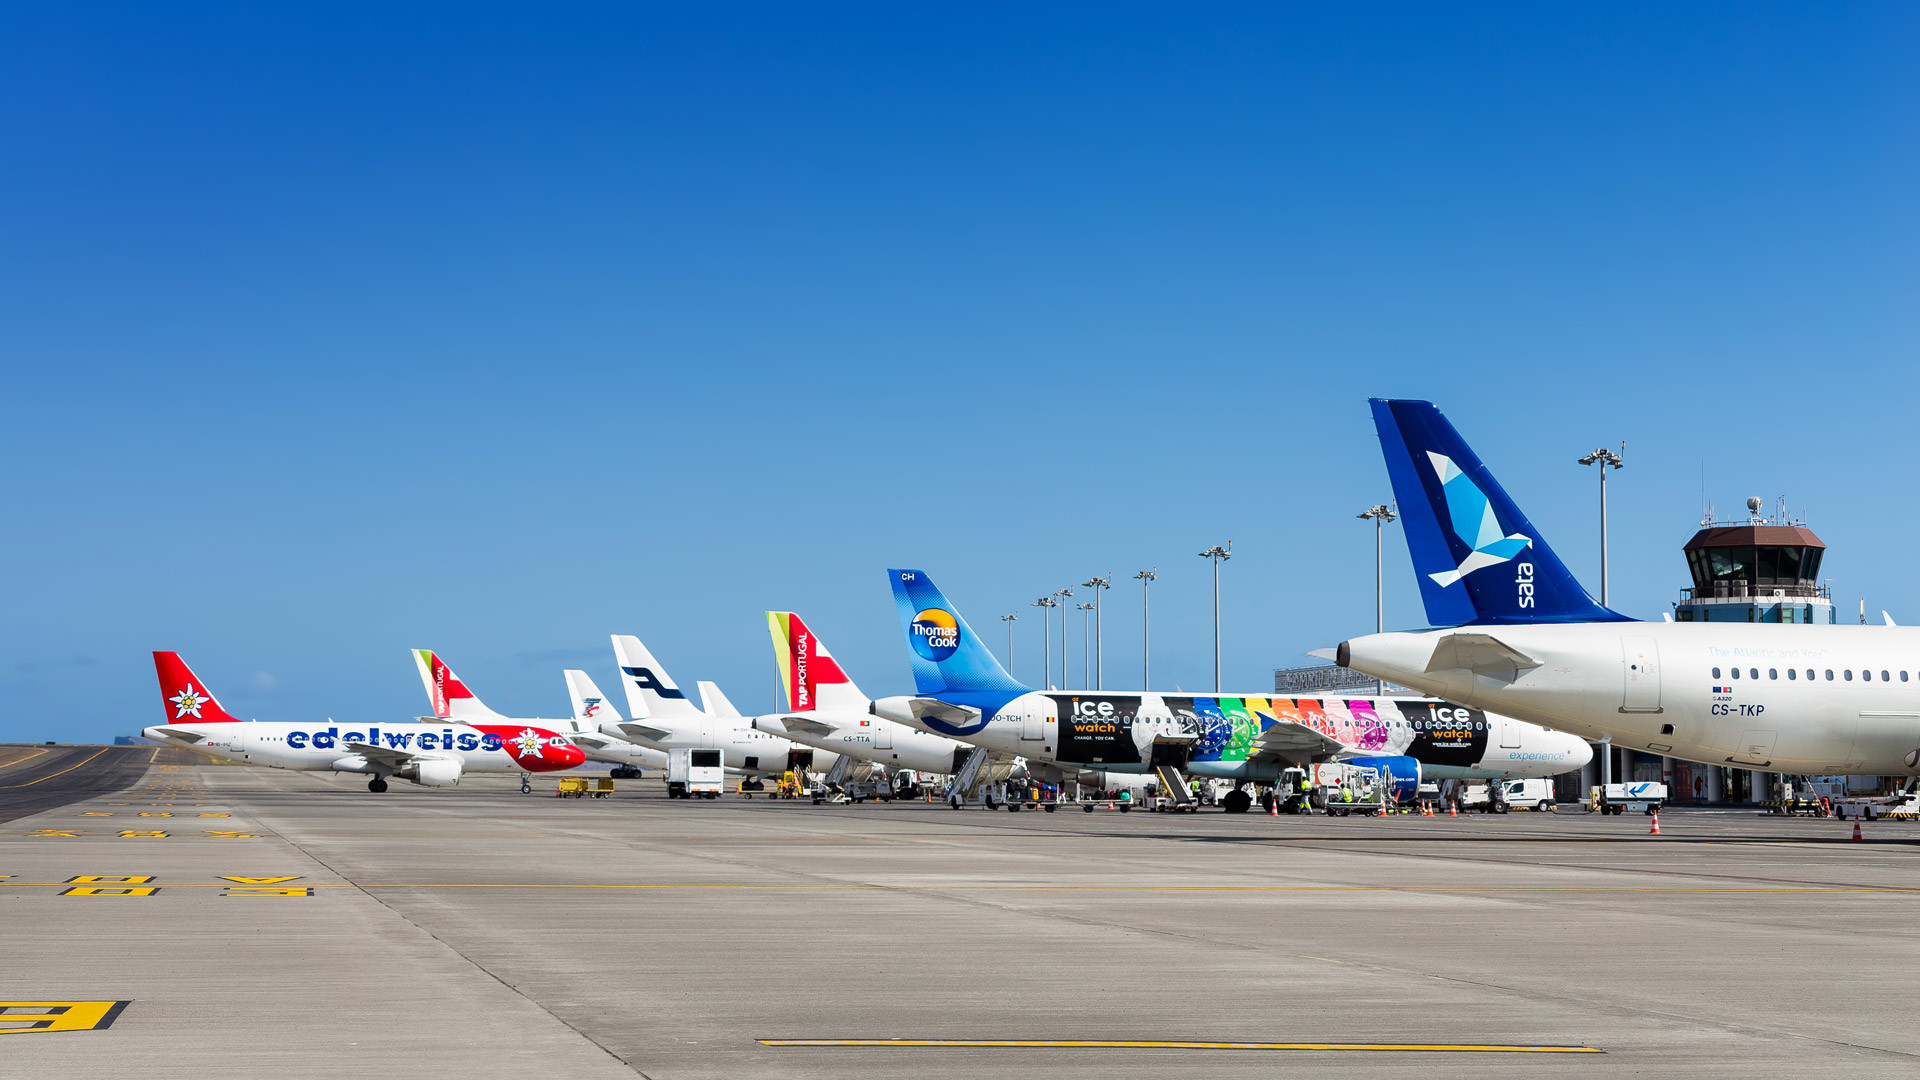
(296, 925)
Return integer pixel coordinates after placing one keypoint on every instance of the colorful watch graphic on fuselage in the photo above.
(1099, 728)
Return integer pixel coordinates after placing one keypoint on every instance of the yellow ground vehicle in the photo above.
(576, 787)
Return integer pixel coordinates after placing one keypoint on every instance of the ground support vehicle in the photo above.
(1902, 805)
(694, 774)
(578, 787)
(1645, 797)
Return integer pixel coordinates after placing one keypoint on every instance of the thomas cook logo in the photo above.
(935, 633)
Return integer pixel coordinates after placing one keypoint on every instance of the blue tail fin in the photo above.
(1478, 559)
(947, 655)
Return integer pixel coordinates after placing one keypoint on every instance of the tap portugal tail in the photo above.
(450, 698)
(1478, 559)
(808, 673)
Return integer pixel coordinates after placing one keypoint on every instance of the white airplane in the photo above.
(451, 699)
(1520, 635)
(828, 711)
(431, 755)
(663, 718)
(592, 709)
(966, 694)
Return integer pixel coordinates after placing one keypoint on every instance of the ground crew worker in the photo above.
(1346, 794)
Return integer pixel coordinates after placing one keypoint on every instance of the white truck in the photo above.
(1500, 796)
(694, 774)
(1645, 797)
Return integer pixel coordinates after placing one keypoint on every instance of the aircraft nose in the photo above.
(1579, 751)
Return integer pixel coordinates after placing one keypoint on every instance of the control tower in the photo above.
(1763, 569)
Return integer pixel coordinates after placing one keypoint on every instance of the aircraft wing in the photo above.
(384, 755)
(1482, 654)
(1295, 742)
(644, 731)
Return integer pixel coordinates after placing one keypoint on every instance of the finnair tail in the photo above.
(947, 655)
(186, 698)
(1477, 558)
(449, 696)
(590, 706)
(808, 673)
(650, 693)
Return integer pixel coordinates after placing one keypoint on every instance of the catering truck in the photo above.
(694, 774)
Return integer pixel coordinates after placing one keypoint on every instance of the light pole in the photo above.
(1604, 457)
(1381, 514)
(1063, 594)
(1046, 638)
(1099, 585)
(1086, 654)
(1219, 555)
(1009, 620)
(1145, 578)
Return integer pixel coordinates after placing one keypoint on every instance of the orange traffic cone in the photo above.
(1655, 831)
(1453, 809)
(1856, 830)
(1273, 806)
(1109, 804)
(1427, 808)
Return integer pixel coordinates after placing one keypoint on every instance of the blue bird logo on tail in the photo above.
(1474, 522)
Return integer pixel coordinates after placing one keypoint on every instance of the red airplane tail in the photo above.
(186, 698)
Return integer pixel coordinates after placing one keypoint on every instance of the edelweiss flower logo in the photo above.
(529, 743)
(187, 703)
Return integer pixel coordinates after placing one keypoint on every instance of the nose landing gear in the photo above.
(526, 783)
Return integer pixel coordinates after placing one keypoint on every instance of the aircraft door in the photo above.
(1033, 723)
(1509, 734)
(882, 733)
(706, 734)
(1640, 669)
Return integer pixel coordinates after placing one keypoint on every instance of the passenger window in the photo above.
(1847, 674)
(1810, 674)
(1829, 674)
(1866, 675)
(1791, 673)
(1736, 673)
(1772, 673)
(1883, 675)
(1716, 673)
(1753, 672)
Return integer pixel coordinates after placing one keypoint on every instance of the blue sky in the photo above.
(332, 331)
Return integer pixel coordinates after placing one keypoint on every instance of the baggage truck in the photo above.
(694, 774)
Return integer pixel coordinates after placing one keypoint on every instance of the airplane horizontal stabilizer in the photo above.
(803, 726)
(183, 736)
(1482, 654)
(644, 731)
(934, 709)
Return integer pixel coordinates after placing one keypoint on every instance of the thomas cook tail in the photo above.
(947, 655)
(1477, 558)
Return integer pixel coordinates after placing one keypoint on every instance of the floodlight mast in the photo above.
(1604, 458)
(1046, 638)
(1063, 594)
(1219, 555)
(1145, 578)
(1380, 513)
(1086, 645)
(1099, 585)
(1010, 619)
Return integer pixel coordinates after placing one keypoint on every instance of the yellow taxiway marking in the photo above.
(1129, 1044)
(25, 1017)
(68, 769)
(1414, 889)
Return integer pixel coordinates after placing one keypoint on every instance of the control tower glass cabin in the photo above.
(1755, 571)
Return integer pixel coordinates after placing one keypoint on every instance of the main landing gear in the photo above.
(377, 785)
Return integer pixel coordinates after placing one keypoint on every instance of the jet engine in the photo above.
(434, 772)
(1401, 774)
